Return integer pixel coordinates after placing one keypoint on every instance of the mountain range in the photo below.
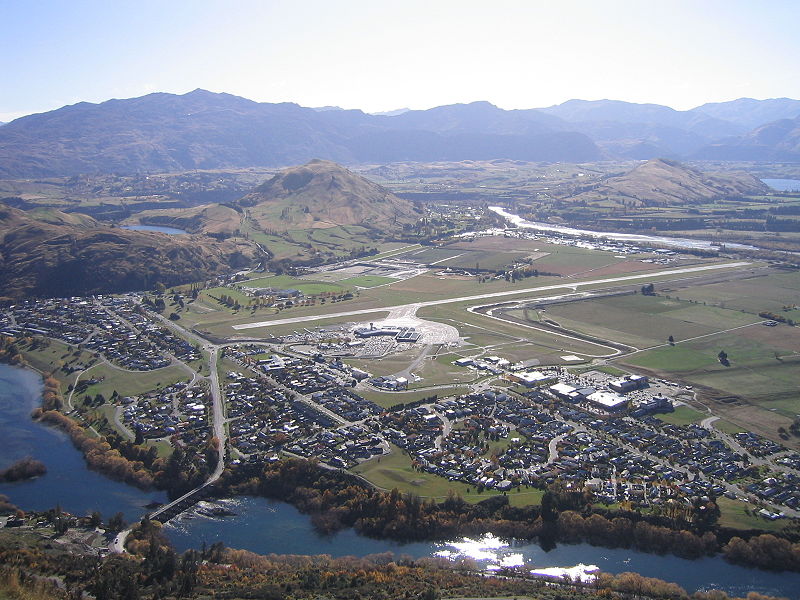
(203, 130)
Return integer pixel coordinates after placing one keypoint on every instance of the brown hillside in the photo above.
(208, 218)
(667, 183)
(47, 259)
(323, 194)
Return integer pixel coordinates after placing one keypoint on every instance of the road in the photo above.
(117, 545)
(560, 286)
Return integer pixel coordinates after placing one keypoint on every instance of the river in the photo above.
(274, 527)
(167, 230)
(633, 238)
(67, 482)
(266, 527)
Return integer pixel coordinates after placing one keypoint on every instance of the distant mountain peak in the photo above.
(391, 113)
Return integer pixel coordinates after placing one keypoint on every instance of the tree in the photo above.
(671, 340)
(117, 522)
(723, 358)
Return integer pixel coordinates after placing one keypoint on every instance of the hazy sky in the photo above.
(380, 55)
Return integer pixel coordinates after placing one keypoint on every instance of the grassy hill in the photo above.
(661, 182)
(322, 194)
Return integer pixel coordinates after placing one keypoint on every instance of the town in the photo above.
(518, 428)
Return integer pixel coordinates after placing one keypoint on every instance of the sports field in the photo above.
(283, 282)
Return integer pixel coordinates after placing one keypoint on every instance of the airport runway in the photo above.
(408, 308)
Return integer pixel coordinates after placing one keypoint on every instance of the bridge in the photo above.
(176, 507)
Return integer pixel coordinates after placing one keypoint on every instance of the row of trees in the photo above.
(336, 500)
(765, 314)
(157, 571)
(99, 454)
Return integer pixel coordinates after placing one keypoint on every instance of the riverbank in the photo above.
(31, 559)
(267, 527)
(336, 500)
(68, 481)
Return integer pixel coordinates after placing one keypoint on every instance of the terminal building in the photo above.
(400, 334)
(628, 383)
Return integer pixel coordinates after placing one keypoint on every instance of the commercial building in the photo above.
(628, 383)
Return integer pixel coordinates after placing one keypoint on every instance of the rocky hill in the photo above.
(322, 194)
(42, 258)
(662, 182)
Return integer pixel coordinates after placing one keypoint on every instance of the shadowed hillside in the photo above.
(776, 141)
(48, 259)
(207, 218)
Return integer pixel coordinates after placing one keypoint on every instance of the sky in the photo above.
(381, 55)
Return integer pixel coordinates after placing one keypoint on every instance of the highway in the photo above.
(572, 285)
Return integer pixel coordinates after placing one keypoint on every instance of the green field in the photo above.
(283, 282)
(771, 293)
(213, 294)
(130, 383)
(440, 370)
(728, 427)
(764, 365)
(126, 383)
(683, 415)
(395, 471)
(643, 321)
(733, 514)
(674, 359)
(367, 281)
(510, 340)
(389, 399)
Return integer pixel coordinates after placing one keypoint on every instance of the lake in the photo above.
(783, 185)
(68, 482)
(168, 230)
(263, 526)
